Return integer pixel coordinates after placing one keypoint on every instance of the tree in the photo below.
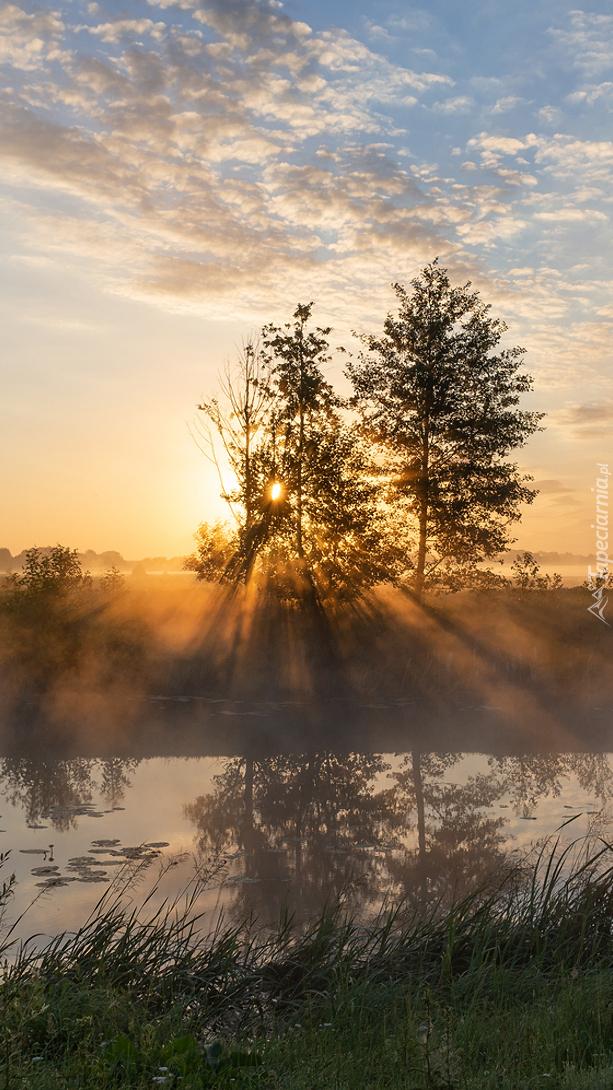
(325, 526)
(237, 415)
(306, 502)
(47, 574)
(440, 397)
(526, 575)
(305, 404)
(215, 549)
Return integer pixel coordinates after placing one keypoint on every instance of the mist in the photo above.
(201, 668)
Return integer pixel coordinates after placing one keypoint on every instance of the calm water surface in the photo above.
(298, 828)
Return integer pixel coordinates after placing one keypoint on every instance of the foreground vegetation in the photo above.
(510, 987)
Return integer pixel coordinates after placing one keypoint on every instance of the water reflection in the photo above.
(298, 828)
(458, 841)
(305, 825)
(529, 779)
(308, 828)
(42, 786)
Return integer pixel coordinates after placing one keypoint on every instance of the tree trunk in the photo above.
(422, 516)
(299, 545)
(248, 502)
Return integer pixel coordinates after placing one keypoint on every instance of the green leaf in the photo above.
(213, 1053)
(182, 1055)
(121, 1051)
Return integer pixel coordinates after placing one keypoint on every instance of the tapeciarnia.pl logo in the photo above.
(596, 580)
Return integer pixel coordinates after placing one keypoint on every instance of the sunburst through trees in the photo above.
(420, 490)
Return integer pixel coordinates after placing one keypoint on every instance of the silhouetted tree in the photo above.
(215, 549)
(526, 575)
(440, 397)
(46, 574)
(236, 415)
(308, 504)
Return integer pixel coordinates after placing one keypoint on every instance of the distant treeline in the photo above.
(552, 558)
(97, 562)
(102, 562)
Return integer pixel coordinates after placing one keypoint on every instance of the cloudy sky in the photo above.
(175, 174)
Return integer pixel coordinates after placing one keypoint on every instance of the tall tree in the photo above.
(304, 404)
(306, 502)
(328, 517)
(441, 397)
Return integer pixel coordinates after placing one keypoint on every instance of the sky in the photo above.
(174, 175)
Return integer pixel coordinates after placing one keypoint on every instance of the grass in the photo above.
(511, 987)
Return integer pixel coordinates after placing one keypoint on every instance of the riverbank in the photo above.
(510, 987)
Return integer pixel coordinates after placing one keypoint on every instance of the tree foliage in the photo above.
(422, 488)
(47, 574)
(215, 549)
(440, 397)
(310, 519)
(236, 415)
(526, 575)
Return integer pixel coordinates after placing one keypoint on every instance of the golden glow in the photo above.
(275, 491)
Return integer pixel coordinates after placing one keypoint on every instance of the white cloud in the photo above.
(588, 41)
(239, 152)
(460, 104)
(126, 30)
(155, 129)
(550, 115)
(506, 103)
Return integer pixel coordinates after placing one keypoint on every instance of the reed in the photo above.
(510, 986)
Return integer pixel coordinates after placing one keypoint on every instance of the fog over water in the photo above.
(376, 752)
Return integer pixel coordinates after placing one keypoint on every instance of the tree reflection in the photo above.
(39, 785)
(316, 826)
(321, 825)
(530, 778)
(309, 826)
(115, 778)
(456, 841)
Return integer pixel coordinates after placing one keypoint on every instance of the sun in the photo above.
(275, 491)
